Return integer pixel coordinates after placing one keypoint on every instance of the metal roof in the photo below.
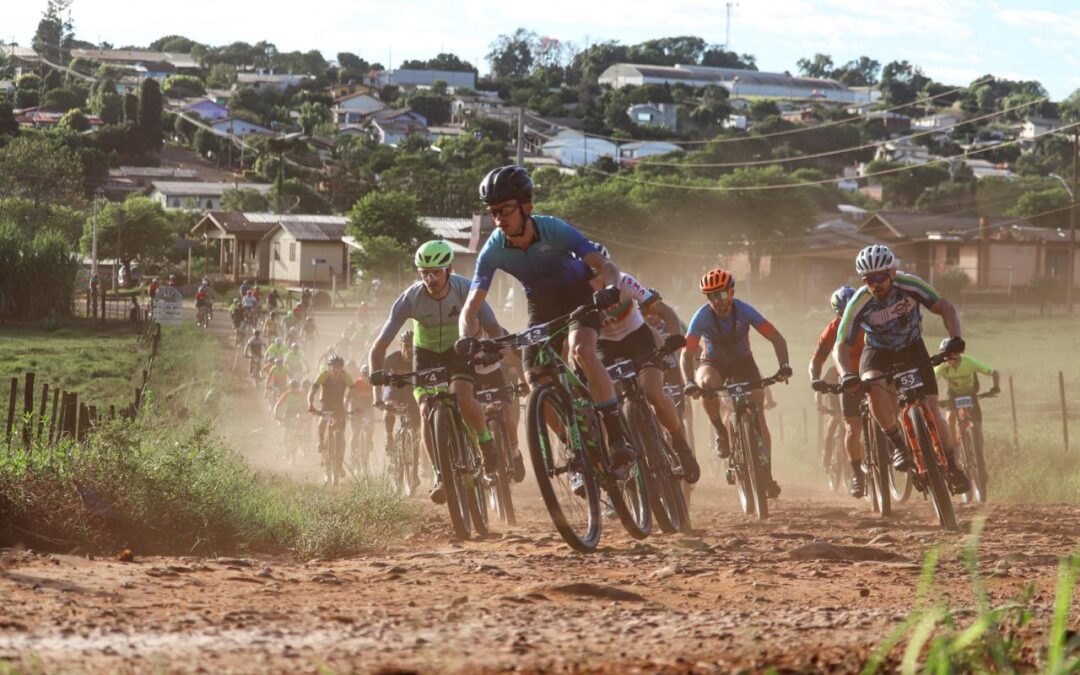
(185, 188)
(152, 172)
(448, 228)
(724, 75)
(305, 230)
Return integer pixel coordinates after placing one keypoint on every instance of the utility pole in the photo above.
(1070, 274)
(727, 25)
(521, 136)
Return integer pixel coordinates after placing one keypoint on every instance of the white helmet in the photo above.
(601, 249)
(875, 258)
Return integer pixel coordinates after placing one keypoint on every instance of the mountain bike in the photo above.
(749, 462)
(876, 454)
(661, 465)
(202, 316)
(837, 468)
(458, 464)
(405, 459)
(568, 446)
(969, 441)
(495, 414)
(924, 439)
(293, 431)
(332, 445)
(361, 441)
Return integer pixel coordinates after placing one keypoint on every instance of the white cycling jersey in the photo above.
(625, 318)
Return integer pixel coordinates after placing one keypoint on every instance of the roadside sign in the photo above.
(168, 306)
(318, 261)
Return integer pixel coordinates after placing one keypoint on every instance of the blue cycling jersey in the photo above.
(545, 266)
(727, 339)
(892, 324)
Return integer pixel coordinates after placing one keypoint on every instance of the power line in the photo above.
(823, 181)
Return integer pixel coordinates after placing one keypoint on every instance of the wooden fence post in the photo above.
(71, 415)
(42, 409)
(83, 428)
(1064, 411)
(54, 417)
(1012, 404)
(28, 410)
(11, 408)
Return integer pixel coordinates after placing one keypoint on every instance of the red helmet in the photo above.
(717, 280)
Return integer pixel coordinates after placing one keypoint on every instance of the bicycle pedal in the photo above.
(729, 476)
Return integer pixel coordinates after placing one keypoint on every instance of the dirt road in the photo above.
(736, 594)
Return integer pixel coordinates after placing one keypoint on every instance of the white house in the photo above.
(394, 130)
(238, 127)
(737, 81)
(410, 79)
(354, 108)
(261, 80)
(629, 152)
(573, 148)
(306, 250)
(943, 121)
(663, 115)
(1036, 126)
(201, 196)
(463, 108)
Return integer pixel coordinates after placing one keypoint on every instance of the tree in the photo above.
(821, 65)
(42, 170)
(862, 72)
(442, 61)
(149, 114)
(244, 199)
(221, 75)
(207, 143)
(54, 79)
(901, 82)
(173, 43)
(388, 214)
(294, 196)
(383, 257)
(8, 125)
(32, 219)
(106, 103)
(313, 114)
(62, 100)
(183, 86)
(490, 128)
(1044, 208)
(130, 106)
(762, 108)
(435, 109)
(139, 223)
(75, 120)
(511, 56)
(55, 31)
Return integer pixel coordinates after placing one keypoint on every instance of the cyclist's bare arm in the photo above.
(949, 316)
(842, 355)
(469, 321)
(604, 268)
(689, 357)
(667, 315)
(311, 396)
(779, 345)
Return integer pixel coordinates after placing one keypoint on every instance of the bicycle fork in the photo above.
(913, 439)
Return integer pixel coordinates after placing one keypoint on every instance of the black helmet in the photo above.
(506, 183)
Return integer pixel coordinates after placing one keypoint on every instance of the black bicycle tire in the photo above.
(398, 465)
(880, 470)
(444, 437)
(475, 487)
(743, 486)
(537, 436)
(615, 493)
(503, 498)
(758, 473)
(940, 498)
(657, 467)
(981, 477)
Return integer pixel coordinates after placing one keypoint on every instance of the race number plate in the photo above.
(738, 389)
(673, 390)
(622, 370)
(964, 402)
(488, 396)
(436, 377)
(908, 380)
(535, 335)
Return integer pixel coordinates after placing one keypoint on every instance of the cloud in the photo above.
(1059, 22)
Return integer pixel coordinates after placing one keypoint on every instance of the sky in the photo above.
(954, 41)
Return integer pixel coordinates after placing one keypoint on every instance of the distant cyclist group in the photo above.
(609, 369)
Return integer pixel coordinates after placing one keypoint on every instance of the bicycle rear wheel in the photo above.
(558, 467)
(471, 465)
(939, 490)
(973, 464)
(446, 438)
(500, 497)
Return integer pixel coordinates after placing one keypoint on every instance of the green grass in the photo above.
(100, 362)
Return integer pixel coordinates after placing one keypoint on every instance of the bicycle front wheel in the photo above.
(566, 484)
(662, 483)
(878, 464)
(628, 492)
(935, 479)
(754, 465)
(500, 497)
(446, 454)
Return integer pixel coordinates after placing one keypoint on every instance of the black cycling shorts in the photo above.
(550, 306)
(737, 371)
(457, 368)
(849, 403)
(639, 346)
(912, 356)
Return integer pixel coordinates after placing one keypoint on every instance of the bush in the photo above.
(37, 274)
(952, 283)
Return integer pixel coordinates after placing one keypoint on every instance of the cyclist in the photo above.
(849, 400)
(291, 404)
(172, 280)
(277, 349)
(331, 384)
(308, 332)
(152, 289)
(495, 377)
(291, 321)
(433, 303)
(399, 361)
(887, 309)
(250, 304)
(625, 335)
(277, 378)
(235, 314)
(271, 326)
(724, 324)
(202, 299)
(554, 263)
(961, 375)
(294, 361)
(254, 351)
(273, 299)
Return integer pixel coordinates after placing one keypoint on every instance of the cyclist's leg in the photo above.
(583, 338)
(853, 441)
(708, 376)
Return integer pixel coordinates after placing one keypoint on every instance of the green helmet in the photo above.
(435, 253)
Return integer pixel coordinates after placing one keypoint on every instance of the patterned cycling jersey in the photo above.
(546, 266)
(625, 317)
(962, 380)
(727, 339)
(892, 324)
(436, 321)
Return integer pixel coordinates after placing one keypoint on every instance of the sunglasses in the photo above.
(431, 272)
(875, 278)
(504, 211)
(718, 295)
